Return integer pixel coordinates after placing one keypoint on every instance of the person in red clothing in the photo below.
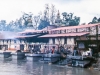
(53, 49)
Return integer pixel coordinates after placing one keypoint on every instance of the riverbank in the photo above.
(74, 61)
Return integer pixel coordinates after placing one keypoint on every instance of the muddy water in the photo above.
(9, 67)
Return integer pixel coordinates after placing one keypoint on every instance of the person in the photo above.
(50, 50)
(32, 50)
(53, 49)
(75, 52)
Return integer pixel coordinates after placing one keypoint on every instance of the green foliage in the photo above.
(95, 20)
(40, 22)
(43, 24)
(69, 20)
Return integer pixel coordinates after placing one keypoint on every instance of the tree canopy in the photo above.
(95, 20)
(50, 16)
(43, 24)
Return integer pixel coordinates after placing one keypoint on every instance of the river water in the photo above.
(23, 67)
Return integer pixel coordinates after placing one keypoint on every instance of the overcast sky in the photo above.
(86, 9)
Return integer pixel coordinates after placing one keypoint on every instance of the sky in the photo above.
(86, 9)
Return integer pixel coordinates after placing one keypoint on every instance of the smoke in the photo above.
(7, 35)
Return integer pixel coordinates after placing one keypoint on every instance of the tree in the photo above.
(58, 19)
(44, 21)
(77, 20)
(46, 13)
(43, 24)
(69, 20)
(3, 25)
(94, 20)
(72, 22)
(99, 20)
(20, 23)
(36, 20)
(10, 26)
(64, 14)
(27, 19)
(52, 16)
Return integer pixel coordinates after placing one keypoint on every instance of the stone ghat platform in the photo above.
(82, 61)
(40, 57)
(13, 55)
(5, 54)
(76, 61)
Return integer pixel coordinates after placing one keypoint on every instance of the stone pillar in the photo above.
(25, 47)
(2, 44)
(70, 41)
(42, 48)
(9, 44)
(56, 41)
(62, 41)
(50, 41)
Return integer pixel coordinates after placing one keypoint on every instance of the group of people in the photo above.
(60, 49)
(46, 49)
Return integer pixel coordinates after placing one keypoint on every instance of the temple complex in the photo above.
(81, 36)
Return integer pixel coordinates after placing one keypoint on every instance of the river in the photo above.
(23, 67)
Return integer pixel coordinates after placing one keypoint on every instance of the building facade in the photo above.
(82, 36)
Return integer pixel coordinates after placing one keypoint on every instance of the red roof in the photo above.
(32, 30)
(25, 36)
(72, 27)
(65, 35)
(29, 31)
(60, 28)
